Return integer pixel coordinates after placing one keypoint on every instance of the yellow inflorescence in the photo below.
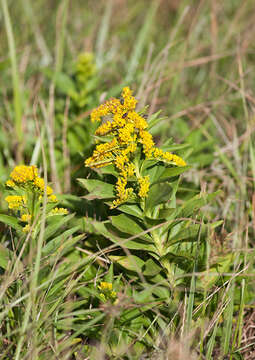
(144, 184)
(59, 211)
(105, 286)
(25, 218)
(15, 201)
(25, 179)
(22, 174)
(106, 291)
(128, 132)
(26, 228)
(27, 176)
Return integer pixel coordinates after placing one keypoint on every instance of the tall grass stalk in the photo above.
(17, 103)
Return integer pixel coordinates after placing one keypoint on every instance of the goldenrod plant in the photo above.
(145, 194)
(28, 206)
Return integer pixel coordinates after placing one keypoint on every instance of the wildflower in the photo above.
(147, 141)
(106, 292)
(105, 286)
(10, 183)
(26, 228)
(59, 211)
(122, 192)
(15, 202)
(128, 133)
(27, 177)
(22, 174)
(144, 185)
(53, 198)
(26, 218)
(39, 183)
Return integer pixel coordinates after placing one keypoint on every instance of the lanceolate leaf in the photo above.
(55, 224)
(129, 226)
(97, 189)
(59, 242)
(171, 172)
(11, 221)
(131, 262)
(105, 229)
(7, 256)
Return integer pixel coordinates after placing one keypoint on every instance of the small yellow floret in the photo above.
(26, 228)
(25, 217)
(59, 211)
(53, 198)
(10, 183)
(105, 286)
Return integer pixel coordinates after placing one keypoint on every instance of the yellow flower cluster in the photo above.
(22, 174)
(144, 184)
(128, 132)
(25, 180)
(106, 291)
(59, 211)
(15, 201)
(25, 218)
(26, 176)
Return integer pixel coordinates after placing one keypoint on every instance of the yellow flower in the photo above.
(104, 129)
(25, 217)
(26, 228)
(107, 292)
(105, 286)
(53, 198)
(129, 101)
(144, 184)
(22, 173)
(147, 141)
(15, 201)
(10, 183)
(39, 183)
(122, 192)
(161, 155)
(125, 134)
(59, 211)
(120, 161)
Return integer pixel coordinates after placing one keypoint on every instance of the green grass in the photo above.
(184, 278)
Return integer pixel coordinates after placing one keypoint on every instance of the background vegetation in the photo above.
(194, 60)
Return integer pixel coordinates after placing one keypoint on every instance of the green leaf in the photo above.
(97, 189)
(60, 241)
(131, 262)
(171, 172)
(131, 210)
(129, 226)
(64, 83)
(158, 194)
(194, 204)
(185, 234)
(104, 228)
(55, 224)
(11, 221)
(109, 275)
(7, 256)
(151, 268)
